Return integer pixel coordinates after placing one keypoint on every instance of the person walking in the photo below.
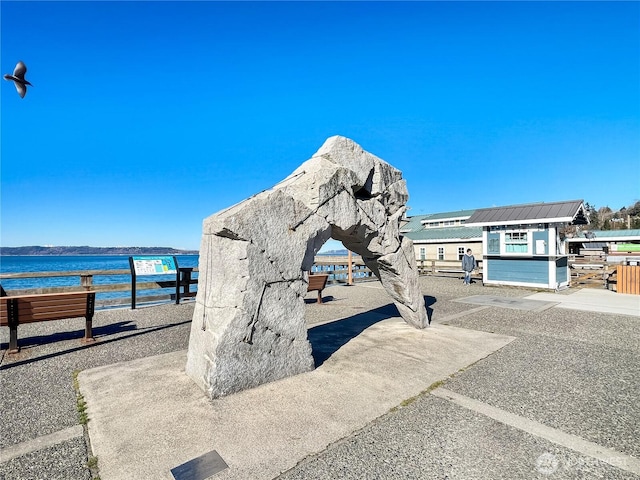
(468, 265)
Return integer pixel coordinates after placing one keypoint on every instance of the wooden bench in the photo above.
(317, 282)
(18, 309)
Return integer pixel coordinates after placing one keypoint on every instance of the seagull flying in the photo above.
(18, 78)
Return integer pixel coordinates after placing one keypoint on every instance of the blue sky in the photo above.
(146, 117)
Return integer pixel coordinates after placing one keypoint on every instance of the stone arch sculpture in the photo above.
(248, 323)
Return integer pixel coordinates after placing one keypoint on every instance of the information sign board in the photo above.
(154, 265)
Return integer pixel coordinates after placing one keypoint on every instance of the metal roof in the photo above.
(417, 222)
(594, 245)
(571, 211)
(446, 233)
(447, 215)
(413, 224)
(608, 235)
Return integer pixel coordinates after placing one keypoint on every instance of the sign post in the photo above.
(153, 265)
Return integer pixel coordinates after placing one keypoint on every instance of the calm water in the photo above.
(23, 264)
(81, 263)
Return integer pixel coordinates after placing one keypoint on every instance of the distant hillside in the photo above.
(340, 252)
(37, 250)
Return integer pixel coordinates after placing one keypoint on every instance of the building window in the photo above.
(423, 253)
(460, 253)
(516, 242)
(440, 253)
(493, 245)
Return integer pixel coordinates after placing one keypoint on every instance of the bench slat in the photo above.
(43, 296)
(42, 307)
(30, 316)
(317, 282)
(51, 304)
(35, 309)
(44, 316)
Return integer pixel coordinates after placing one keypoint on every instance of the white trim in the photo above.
(516, 284)
(552, 274)
(629, 238)
(524, 221)
(450, 240)
(444, 219)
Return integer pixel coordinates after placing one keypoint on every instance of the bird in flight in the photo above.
(18, 78)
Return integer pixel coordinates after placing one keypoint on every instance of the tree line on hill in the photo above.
(604, 218)
(84, 250)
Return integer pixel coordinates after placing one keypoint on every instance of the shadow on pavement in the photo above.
(27, 343)
(328, 338)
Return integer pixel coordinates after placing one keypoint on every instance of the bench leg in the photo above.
(12, 313)
(88, 331)
(319, 296)
(13, 339)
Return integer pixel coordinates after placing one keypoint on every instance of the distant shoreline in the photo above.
(67, 251)
(39, 251)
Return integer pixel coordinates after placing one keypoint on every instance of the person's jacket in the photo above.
(468, 263)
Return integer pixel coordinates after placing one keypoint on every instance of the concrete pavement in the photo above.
(559, 400)
(593, 300)
(147, 417)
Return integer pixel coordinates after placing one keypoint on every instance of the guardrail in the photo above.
(116, 289)
(86, 282)
(445, 268)
(342, 269)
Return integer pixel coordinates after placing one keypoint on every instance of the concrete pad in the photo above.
(594, 300)
(515, 303)
(574, 442)
(147, 416)
(40, 443)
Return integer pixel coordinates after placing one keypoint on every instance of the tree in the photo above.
(594, 218)
(634, 210)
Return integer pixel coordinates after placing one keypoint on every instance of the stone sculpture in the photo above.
(248, 324)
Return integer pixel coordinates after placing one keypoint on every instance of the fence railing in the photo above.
(445, 268)
(114, 287)
(116, 290)
(338, 268)
(107, 292)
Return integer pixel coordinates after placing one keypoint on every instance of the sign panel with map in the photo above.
(160, 265)
(154, 265)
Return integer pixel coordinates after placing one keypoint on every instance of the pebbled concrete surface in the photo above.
(135, 406)
(574, 370)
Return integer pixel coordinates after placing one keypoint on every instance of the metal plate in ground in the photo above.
(508, 302)
(200, 468)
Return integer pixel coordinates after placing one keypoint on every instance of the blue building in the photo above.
(521, 244)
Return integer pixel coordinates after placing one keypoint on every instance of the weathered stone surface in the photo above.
(248, 325)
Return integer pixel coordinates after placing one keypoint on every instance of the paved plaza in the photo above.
(505, 383)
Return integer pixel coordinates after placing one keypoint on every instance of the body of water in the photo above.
(82, 263)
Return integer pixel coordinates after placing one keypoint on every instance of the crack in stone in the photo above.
(251, 326)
